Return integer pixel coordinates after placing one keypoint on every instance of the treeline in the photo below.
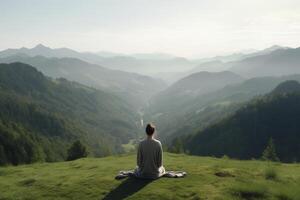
(18, 145)
(41, 117)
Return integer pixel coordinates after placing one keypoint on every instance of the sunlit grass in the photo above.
(271, 173)
(93, 178)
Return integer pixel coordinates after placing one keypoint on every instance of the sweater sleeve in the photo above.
(139, 158)
(160, 156)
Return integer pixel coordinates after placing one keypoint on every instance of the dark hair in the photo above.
(150, 129)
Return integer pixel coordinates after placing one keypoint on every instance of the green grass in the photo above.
(249, 191)
(93, 178)
(271, 174)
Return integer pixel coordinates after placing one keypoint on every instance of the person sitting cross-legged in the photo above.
(150, 160)
(150, 156)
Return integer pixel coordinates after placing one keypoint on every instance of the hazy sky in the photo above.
(182, 27)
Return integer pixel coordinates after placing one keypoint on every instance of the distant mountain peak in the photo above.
(274, 48)
(41, 46)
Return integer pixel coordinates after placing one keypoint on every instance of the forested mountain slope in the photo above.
(40, 117)
(246, 133)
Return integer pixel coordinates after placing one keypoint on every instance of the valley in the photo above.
(180, 110)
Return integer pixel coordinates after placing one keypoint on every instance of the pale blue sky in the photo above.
(182, 27)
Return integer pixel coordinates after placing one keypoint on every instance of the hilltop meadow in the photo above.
(208, 178)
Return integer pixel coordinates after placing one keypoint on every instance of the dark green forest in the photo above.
(40, 117)
(246, 133)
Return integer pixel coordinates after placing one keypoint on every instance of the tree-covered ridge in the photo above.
(291, 86)
(40, 117)
(246, 133)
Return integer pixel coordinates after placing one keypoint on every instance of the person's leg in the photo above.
(162, 171)
(175, 174)
(137, 173)
(123, 174)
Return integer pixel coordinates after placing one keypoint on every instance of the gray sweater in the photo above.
(150, 159)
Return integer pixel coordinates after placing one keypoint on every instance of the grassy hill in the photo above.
(208, 178)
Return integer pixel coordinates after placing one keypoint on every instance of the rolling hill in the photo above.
(245, 133)
(40, 117)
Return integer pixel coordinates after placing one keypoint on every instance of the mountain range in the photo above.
(274, 61)
(134, 88)
(164, 66)
(138, 63)
(223, 63)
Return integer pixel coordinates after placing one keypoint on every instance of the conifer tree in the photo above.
(270, 152)
(77, 150)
